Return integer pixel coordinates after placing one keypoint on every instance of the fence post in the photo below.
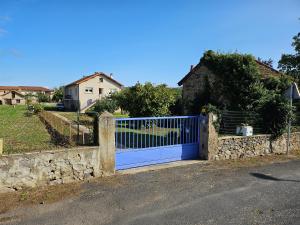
(107, 148)
(208, 138)
(70, 134)
(1, 146)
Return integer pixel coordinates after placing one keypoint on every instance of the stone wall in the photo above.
(46, 168)
(233, 147)
(61, 166)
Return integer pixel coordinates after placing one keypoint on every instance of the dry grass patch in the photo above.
(38, 195)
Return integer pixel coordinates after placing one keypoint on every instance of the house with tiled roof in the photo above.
(195, 81)
(83, 93)
(16, 95)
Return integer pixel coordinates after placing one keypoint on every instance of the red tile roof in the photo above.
(96, 74)
(24, 88)
(14, 92)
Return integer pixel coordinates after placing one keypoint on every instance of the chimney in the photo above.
(111, 75)
(192, 66)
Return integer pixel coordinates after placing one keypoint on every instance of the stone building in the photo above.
(195, 81)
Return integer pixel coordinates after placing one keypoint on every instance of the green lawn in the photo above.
(22, 133)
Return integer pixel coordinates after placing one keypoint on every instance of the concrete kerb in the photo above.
(160, 166)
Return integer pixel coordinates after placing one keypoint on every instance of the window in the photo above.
(18, 101)
(101, 79)
(89, 90)
(100, 91)
(13, 94)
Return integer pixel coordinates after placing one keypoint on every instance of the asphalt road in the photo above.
(185, 195)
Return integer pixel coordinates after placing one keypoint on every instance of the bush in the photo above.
(275, 112)
(146, 100)
(107, 104)
(35, 108)
(213, 109)
(43, 97)
(176, 109)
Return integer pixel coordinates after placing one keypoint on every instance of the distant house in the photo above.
(83, 93)
(194, 82)
(15, 95)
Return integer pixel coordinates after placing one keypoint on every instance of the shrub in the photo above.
(107, 104)
(43, 97)
(35, 108)
(146, 100)
(176, 109)
(213, 109)
(275, 111)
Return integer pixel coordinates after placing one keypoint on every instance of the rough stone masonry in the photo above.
(46, 168)
(233, 147)
(61, 166)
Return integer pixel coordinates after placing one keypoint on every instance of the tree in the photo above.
(290, 63)
(107, 104)
(43, 97)
(146, 100)
(176, 109)
(58, 94)
(275, 111)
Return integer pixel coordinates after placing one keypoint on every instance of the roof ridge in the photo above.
(85, 78)
(268, 66)
(22, 87)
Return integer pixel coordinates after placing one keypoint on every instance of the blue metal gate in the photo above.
(153, 140)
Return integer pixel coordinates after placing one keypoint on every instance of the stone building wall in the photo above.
(194, 85)
(200, 80)
(46, 168)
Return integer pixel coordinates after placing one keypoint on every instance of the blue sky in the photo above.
(53, 42)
